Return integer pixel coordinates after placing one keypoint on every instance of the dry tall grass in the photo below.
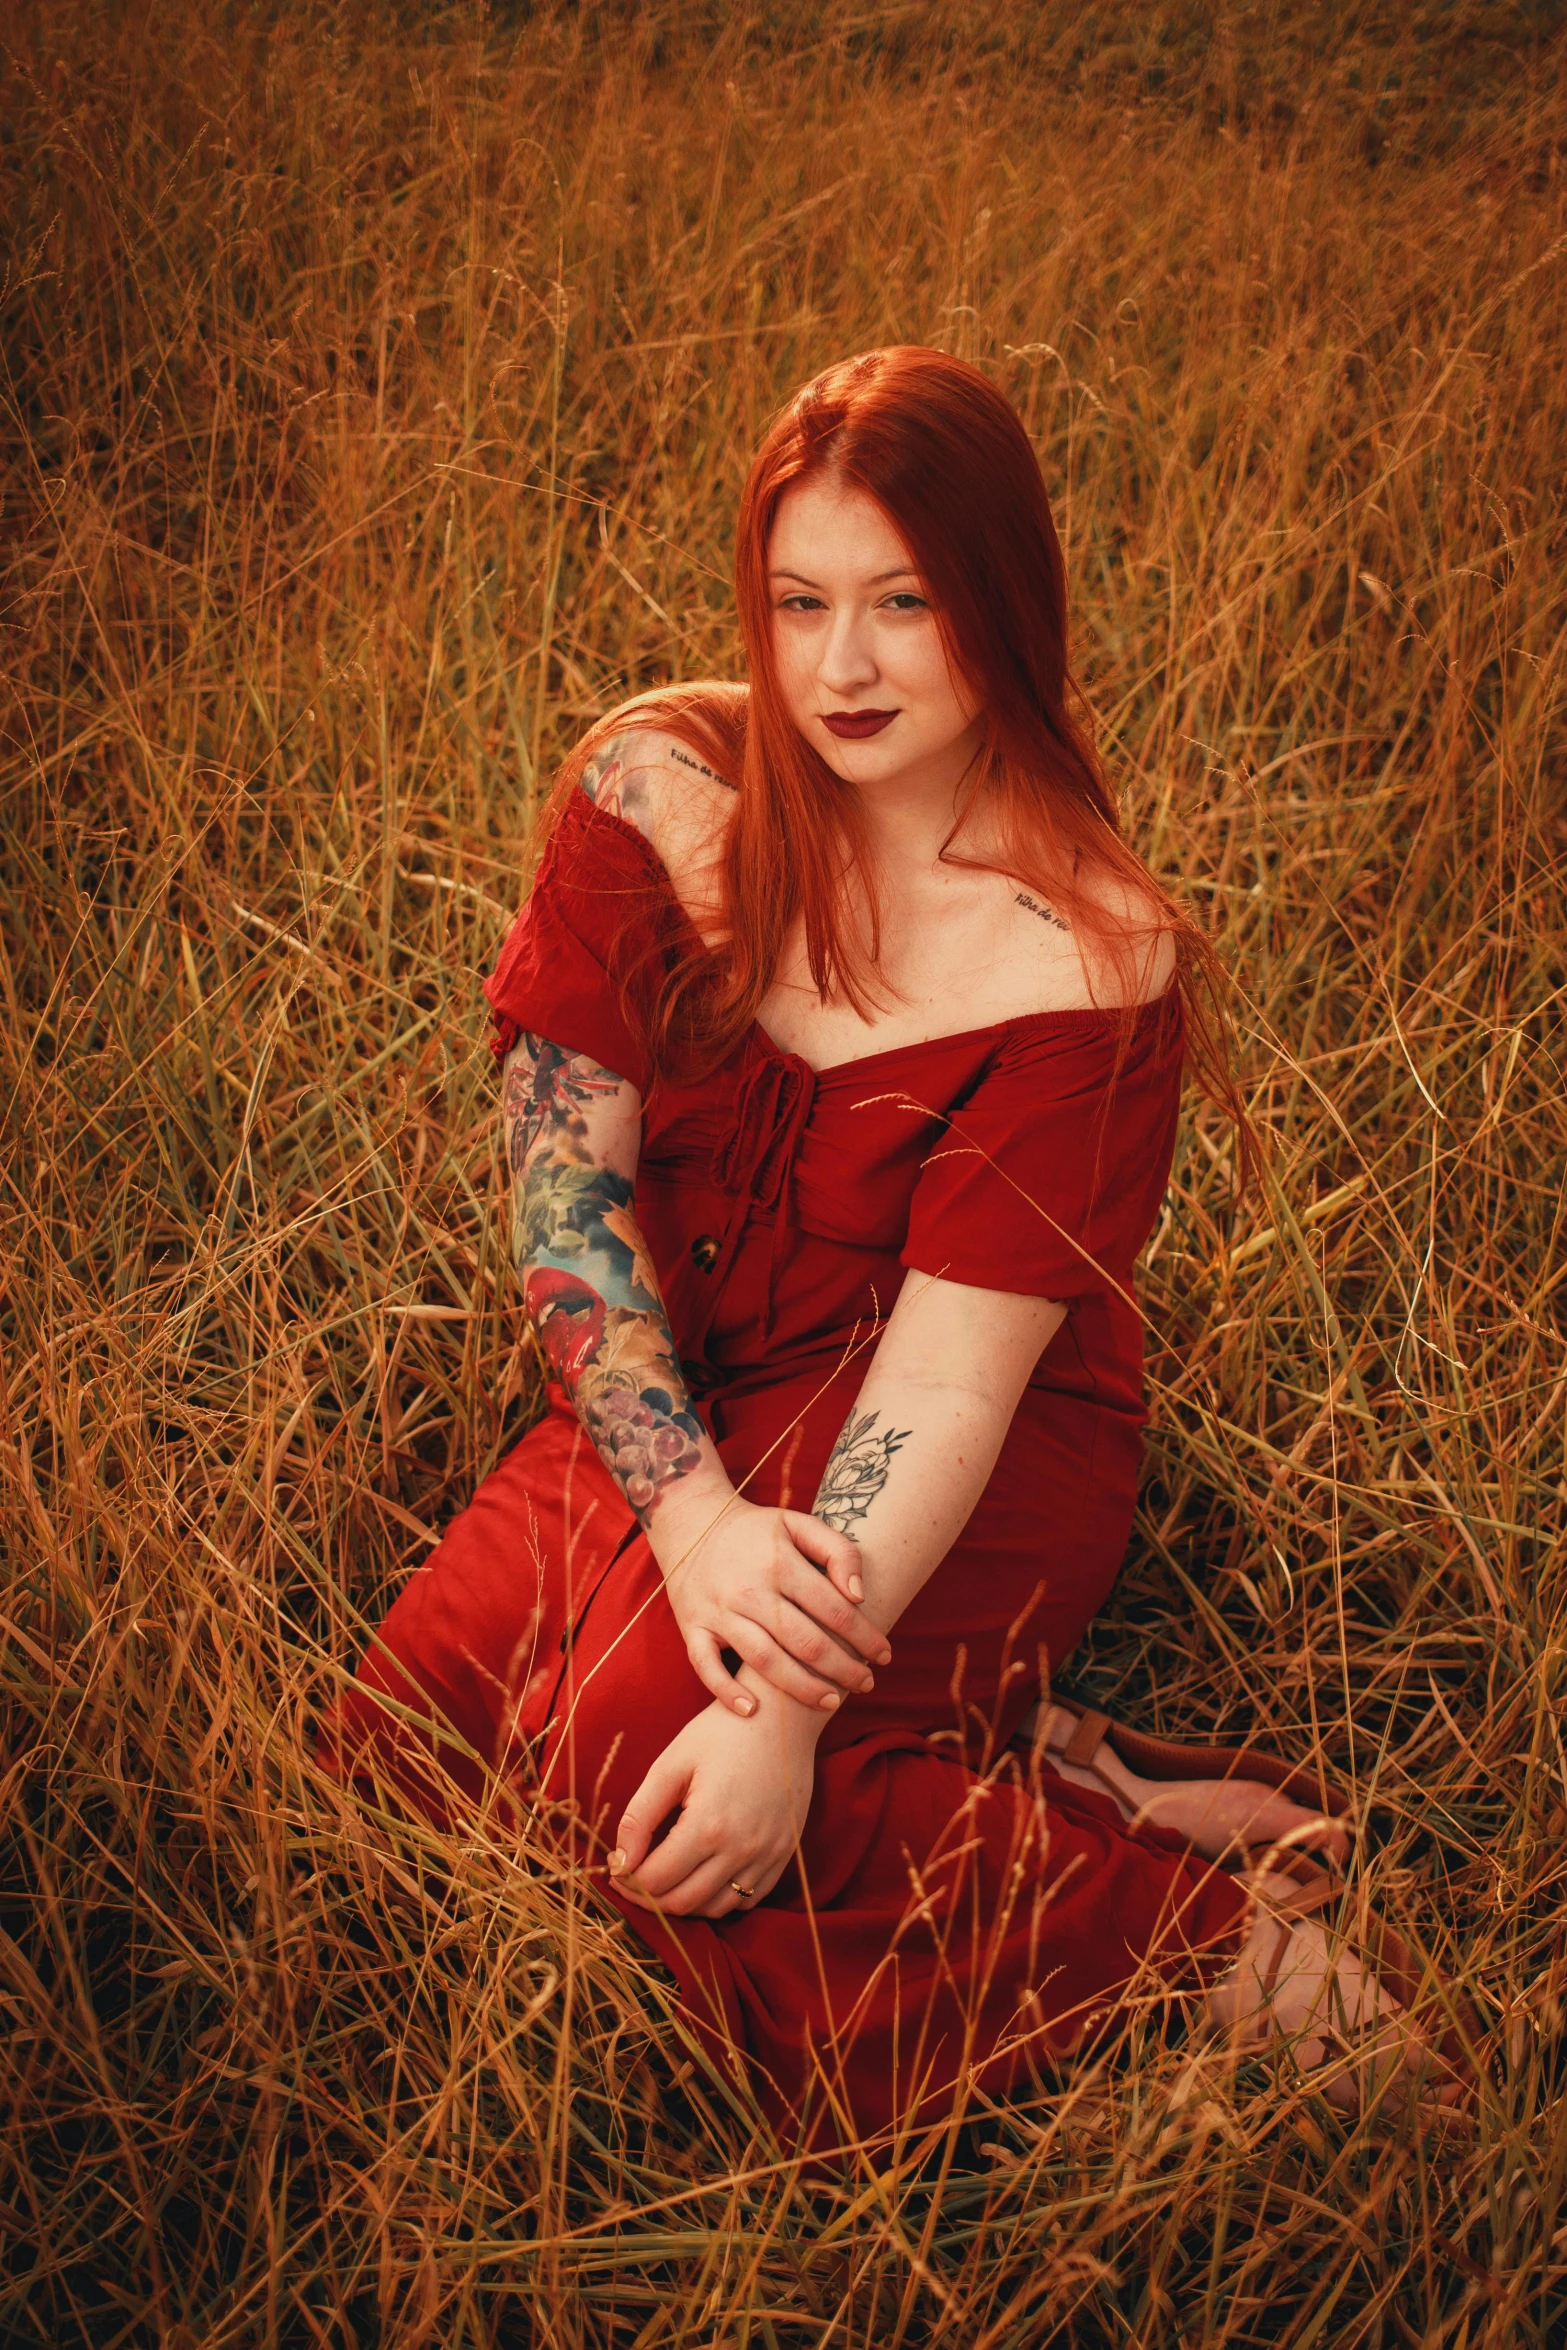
(376, 394)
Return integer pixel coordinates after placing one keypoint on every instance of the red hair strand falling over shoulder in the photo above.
(946, 457)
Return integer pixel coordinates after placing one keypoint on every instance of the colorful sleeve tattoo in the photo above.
(591, 1291)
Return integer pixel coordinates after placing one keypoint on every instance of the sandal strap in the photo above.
(1309, 1899)
(1165, 1758)
(1286, 1934)
(1086, 1739)
(1287, 1914)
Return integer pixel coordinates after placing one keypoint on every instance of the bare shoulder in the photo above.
(1104, 943)
(1137, 961)
(681, 806)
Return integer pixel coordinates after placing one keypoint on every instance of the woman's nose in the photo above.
(848, 664)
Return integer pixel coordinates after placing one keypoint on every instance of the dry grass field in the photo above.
(377, 385)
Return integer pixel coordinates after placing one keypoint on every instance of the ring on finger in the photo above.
(746, 1892)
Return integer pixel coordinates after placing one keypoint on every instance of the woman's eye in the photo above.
(801, 603)
(906, 601)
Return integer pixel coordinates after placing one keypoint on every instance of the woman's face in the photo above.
(859, 655)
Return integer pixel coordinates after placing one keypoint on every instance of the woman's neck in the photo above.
(909, 817)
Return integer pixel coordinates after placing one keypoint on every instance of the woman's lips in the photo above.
(853, 726)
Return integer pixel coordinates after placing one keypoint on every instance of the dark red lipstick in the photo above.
(856, 726)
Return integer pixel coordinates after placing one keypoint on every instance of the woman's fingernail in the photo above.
(830, 1702)
(745, 1705)
(885, 1658)
(856, 1587)
(617, 1861)
(869, 1681)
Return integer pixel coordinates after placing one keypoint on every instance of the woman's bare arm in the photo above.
(917, 1450)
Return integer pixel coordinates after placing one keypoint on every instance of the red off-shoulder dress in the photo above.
(955, 1916)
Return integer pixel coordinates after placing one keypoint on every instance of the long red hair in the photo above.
(946, 457)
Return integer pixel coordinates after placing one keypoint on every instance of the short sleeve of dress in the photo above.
(1049, 1177)
(582, 961)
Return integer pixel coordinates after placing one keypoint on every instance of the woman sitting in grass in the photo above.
(843, 1038)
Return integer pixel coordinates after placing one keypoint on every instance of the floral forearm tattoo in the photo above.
(856, 1471)
(591, 1290)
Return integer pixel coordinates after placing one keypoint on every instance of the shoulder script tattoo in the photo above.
(856, 1471)
(1033, 905)
(684, 759)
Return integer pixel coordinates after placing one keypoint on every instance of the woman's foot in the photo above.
(1218, 1817)
(1324, 1998)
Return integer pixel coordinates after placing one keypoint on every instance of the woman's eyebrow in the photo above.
(878, 579)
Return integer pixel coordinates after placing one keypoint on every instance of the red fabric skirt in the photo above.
(955, 1917)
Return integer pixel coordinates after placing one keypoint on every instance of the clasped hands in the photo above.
(783, 1592)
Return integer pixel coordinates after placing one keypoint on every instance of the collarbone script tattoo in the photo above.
(856, 1471)
(1032, 905)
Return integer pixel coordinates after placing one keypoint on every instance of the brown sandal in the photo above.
(1458, 2045)
(1164, 1758)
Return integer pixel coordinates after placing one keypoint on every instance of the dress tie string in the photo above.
(756, 1154)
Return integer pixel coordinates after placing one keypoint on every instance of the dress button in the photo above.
(704, 1252)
